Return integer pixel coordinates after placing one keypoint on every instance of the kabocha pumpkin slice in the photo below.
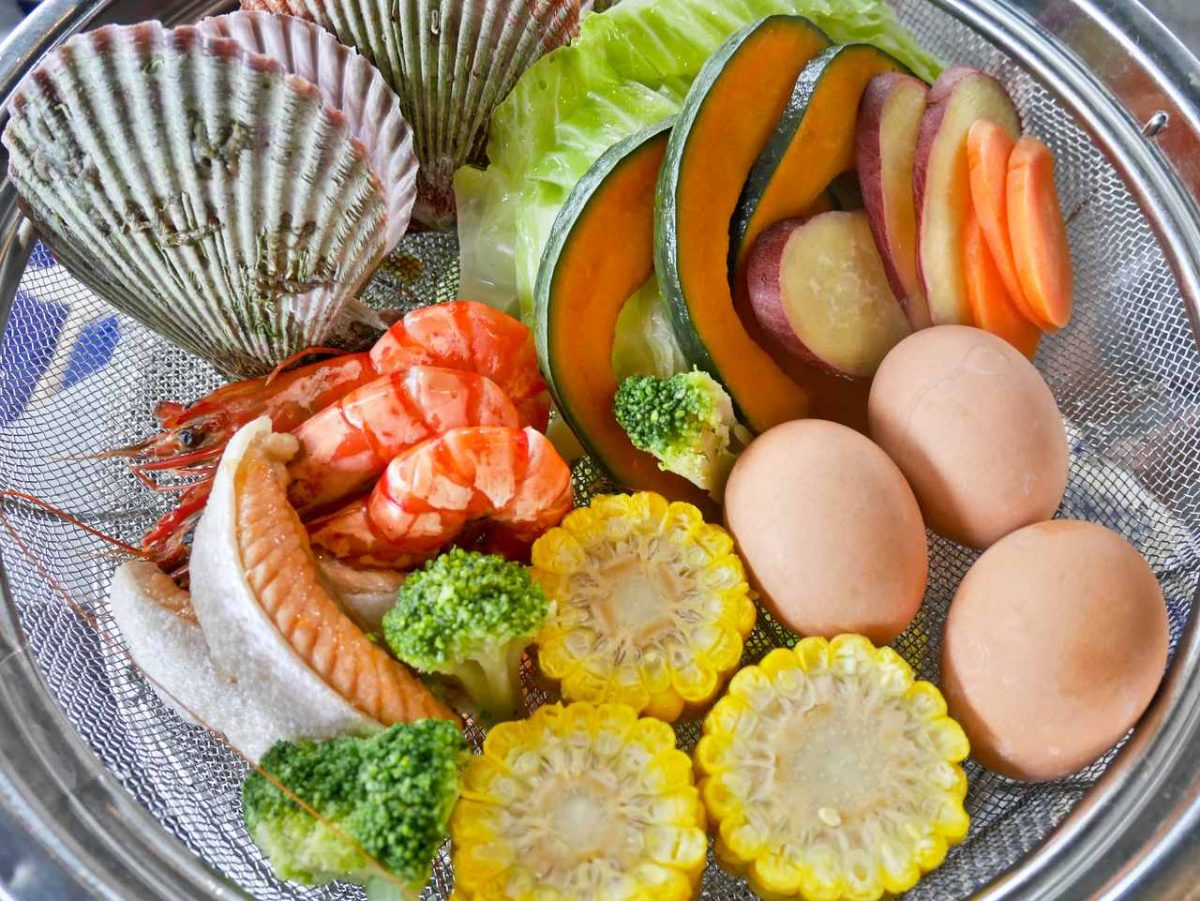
(727, 119)
(583, 285)
(828, 773)
(652, 604)
(813, 143)
(579, 802)
(810, 154)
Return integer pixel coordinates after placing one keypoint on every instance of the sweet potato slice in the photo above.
(818, 287)
(941, 182)
(991, 304)
(1038, 233)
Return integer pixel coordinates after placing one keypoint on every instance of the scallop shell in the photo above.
(451, 62)
(198, 188)
(347, 83)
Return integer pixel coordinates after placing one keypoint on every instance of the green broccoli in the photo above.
(387, 797)
(469, 616)
(686, 421)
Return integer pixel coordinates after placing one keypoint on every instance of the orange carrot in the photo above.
(991, 305)
(989, 147)
(1038, 233)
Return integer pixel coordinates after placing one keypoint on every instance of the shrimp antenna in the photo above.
(93, 622)
(75, 521)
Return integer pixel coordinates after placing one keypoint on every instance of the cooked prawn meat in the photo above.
(462, 334)
(472, 337)
(347, 446)
(354, 412)
(512, 477)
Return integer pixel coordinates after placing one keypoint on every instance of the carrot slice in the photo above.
(989, 147)
(991, 305)
(1038, 233)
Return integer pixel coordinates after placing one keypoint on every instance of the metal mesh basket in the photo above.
(75, 378)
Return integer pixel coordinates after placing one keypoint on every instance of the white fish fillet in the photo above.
(172, 652)
(242, 641)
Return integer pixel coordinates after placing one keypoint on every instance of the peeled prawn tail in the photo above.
(346, 447)
(472, 337)
(512, 477)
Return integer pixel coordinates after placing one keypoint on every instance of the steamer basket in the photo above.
(137, 804)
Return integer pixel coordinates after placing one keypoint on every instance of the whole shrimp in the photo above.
(344, 448)
(462, 334)
(430, 493)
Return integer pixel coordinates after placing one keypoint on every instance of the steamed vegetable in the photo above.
(644, 343)
(812, 144)
(716, 144)
(384, 801)
(469, 616)
(829, 773)
(819, 289)
(579, 802)
(687, 423)
(584, 289)
(989, 147)
(1039, 234)
(889, 122)
(942, 183)
(992, 306)
(629, 68)
(652, 604)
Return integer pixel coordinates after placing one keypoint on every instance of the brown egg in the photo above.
(829, 530)
(974, 429)
(1055, 643)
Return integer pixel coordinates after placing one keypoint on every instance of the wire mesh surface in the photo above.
(76, 379)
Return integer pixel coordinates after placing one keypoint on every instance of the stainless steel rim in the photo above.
(1136, 833)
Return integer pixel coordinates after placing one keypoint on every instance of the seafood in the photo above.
(427, 496)
(269, 618)
(349, 84)
(346, 446)
(364, 594)
(171, 651)
(451, 63)
(199, 431)
(472, 337)
(462, 334)
(237, 224)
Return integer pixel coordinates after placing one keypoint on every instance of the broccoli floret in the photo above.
(385, 801)
(469, 616)
(686, 421)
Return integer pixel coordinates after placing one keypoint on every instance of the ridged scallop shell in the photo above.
(349, 84)
(198, 188)
(451, 62)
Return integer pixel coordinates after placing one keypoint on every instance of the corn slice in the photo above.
(608, 810)
(829, 773)
(652, 605)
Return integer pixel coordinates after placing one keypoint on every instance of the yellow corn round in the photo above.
(582, 801)
(651, 605)
(828, 772)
